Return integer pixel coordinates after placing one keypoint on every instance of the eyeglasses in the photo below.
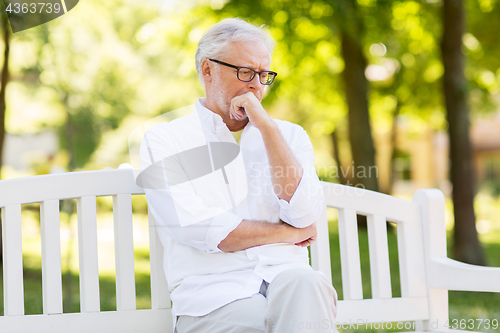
(246, 74)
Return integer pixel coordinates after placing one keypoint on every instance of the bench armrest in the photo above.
(446, 273)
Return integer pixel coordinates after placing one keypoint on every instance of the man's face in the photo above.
(225, 85)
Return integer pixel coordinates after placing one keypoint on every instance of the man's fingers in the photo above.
(237, 109)
(306, 242)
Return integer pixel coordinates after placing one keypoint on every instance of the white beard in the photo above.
(219, 97)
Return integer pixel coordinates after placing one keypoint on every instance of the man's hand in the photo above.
(248, 105)
(303, 236)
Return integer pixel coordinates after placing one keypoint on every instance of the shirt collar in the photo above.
(208, 118)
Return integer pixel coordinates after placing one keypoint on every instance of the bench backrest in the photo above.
(86, 186)
(379, 209)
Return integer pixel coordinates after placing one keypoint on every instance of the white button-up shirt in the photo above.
(195, 215)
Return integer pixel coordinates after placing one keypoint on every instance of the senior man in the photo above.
(235, 221)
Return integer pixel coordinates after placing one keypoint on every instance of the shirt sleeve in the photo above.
(308, 201)
(177, 209)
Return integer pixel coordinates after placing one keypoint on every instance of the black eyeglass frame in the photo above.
(251, 69)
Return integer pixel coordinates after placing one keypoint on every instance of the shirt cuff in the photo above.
(221, 226)
(306, 204)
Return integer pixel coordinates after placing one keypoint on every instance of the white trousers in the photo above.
(298, 300)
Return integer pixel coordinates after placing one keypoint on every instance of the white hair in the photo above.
(220, 35)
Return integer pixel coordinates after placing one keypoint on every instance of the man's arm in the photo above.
(286, 171)
(293, 175)
(254, 233)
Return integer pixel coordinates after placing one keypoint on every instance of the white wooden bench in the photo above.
(426, 274)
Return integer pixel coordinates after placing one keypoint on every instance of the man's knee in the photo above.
(302, 277)
(243, 315)
(305, 281)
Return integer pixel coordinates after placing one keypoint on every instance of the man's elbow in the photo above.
(308, 217)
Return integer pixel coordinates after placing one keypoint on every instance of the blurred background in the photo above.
(395, 96)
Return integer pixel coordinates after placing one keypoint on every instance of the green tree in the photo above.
(466, 243)
(350, 23)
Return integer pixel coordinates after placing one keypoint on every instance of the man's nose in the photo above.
(255, 82)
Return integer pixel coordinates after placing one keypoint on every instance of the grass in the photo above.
(463, 305)
(107, 285)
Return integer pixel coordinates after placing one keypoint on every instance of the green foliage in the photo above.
(481, 49)
(98, 75)
(135, 61)
(307, 57)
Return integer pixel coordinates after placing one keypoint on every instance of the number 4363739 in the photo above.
(40, 7)
(472, 324)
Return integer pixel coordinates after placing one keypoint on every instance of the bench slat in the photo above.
(379, 257)
(160, 296)
(87, 248)
(12, 261)
(432, 206)
(411, 260)
(320, 250)
(68, 185)
(349, 255)
(51, 257)
(124, 252)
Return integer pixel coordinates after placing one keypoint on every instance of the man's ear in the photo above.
(206, 70)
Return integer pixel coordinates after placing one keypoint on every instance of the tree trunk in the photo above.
(394, 147)
(466, 243)
(5, 80)
(336, 156)
(356, 89)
